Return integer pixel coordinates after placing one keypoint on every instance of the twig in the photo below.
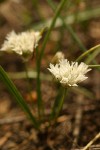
(92, 141)
(12, 120)
(4, 138)
(95, 147)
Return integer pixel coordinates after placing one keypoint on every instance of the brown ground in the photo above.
(79, 121)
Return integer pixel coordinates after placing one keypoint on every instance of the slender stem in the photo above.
(94, 66)
(90, 58)
(69, 28)
(38, 81)
(18, 97)
(61, 101)
(92, 141)
(75, 37)
(40, 101)
(70, 19)
(58, 10)
(58, 103)
(28, 80)
(87, 52)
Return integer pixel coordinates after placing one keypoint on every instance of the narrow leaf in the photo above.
(16, 94)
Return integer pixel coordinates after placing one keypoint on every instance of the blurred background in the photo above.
(77, 30)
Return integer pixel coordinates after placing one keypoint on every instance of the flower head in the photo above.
(23, 43)
(69, 74)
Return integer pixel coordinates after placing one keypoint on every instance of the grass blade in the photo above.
(86, 53)
(18, 97)
(57, 13)
(68, 27)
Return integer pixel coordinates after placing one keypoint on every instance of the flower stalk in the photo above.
(28, 80)
(40, 105)
(87, 52)
(60, 103)
(40, 101)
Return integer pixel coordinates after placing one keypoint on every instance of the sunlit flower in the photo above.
(69, 74)
(23, 43)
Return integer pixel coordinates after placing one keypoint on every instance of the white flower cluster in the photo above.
(69, 74)
(22, 43)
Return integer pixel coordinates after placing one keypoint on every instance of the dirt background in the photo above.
(79, 121)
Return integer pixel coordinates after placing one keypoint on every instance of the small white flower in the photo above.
(23, 43)
(69, 74)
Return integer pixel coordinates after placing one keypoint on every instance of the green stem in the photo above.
(58, 10)
(61, 101)
(38, 81)
(91, 57)
(75, 37)
(18, 97)
(94, 66)
(69, 28)
(40, 101)
(70, 19)
(28, 80)
(58, 103)
(87, 52)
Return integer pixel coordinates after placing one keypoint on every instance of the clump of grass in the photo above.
(68, 74)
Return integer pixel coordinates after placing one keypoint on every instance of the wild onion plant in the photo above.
(68, 74)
